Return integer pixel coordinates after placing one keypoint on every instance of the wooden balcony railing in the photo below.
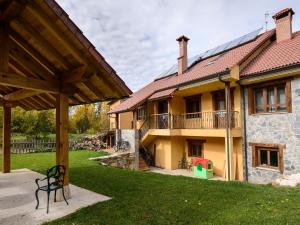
(199, 120)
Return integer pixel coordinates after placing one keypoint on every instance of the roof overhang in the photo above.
(278, 73)
(48, 54)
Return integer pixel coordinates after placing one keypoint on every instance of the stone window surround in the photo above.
(280, 147)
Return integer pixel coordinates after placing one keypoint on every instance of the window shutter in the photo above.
(288, 96)
(253, 156)
(250, 101)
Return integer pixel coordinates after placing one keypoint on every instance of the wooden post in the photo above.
(6, 136)
(62, 138)
(6, 133)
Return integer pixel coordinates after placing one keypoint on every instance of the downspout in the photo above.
(227, 126)
(245, 133)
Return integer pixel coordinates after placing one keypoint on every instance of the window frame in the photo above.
(257, 147)
(264, 87)
(197, 143)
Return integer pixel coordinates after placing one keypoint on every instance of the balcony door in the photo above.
(163, 114)
(219, 104)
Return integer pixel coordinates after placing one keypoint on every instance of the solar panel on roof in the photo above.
(214, 51)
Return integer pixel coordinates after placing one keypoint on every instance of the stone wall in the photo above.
(279, 128)
(132, 137)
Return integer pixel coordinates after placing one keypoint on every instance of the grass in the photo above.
(148, 198)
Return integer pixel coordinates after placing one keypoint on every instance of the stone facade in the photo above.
(279, 128)
(132, 137)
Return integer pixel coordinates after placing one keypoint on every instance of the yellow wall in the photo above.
(206, 102)
(237, 99)
(177, 105)
(169, 151)
(125, 119)
(163, 152)
(214, 150)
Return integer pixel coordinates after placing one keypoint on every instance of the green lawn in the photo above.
(147, 198)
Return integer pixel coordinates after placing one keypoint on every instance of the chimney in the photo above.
(283, 21)
(182, 59)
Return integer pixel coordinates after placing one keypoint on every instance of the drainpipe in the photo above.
(227, 93)
(245, 133)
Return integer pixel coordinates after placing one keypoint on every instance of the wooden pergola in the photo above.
(46, 62)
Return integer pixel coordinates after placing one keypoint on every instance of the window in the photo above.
(193, 106)
(163, 107)
(267, 155)
(141, 113)
(195, 148)
(270, 98)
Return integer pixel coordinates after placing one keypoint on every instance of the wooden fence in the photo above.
(37, 146)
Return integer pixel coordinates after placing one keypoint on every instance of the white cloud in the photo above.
(138, 37)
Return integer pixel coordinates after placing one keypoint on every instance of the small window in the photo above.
(141, 113)
(195, 148)
(267, 155)
(270, 98)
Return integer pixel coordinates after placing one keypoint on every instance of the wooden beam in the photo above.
(14, 80)
(21, 26)
(11, 11)
(6, 136)
(28, 62)
(62, 137)
(29, 104)
(56, 33)
(20, 41)
(74, 75)
(20, 94)
(104, 85)
(95, 90)
(4, 47)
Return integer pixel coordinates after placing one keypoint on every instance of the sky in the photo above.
(138, 38)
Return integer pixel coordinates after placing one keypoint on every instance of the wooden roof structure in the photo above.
(46, 62)
(48, 54)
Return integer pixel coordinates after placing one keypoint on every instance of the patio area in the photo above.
(180, 172)
(17, 200)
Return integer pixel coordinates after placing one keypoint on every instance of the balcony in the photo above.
(199, 120)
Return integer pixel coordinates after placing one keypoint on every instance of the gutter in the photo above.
(245, 133)
(227, 126)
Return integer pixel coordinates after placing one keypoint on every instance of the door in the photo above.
(219, 114)
(163, 115)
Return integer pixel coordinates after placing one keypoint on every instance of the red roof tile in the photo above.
(202, 70)
(162, 94)
(275, 56)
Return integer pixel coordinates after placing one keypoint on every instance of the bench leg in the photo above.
(48, 196)
(37, 198)
(63, 193)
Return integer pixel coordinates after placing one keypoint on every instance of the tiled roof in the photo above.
(162, 94)
(276, 56)
(202, 70)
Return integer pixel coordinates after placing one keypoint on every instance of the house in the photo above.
(236, 104)
(125, 121)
